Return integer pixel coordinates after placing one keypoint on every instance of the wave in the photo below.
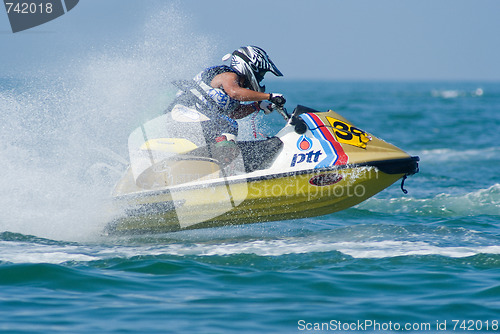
(440, 155)
(14, 252)
(365, 241)
(454, 93)
(480, 202)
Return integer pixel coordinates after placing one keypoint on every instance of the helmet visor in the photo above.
(274, 69)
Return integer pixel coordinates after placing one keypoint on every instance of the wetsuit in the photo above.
(214, 103)
(225, 104)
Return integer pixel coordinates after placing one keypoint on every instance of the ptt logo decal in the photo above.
(334, 153)
(25, 14)
(304, 143)
(309, 157)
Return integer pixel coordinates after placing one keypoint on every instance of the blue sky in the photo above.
(315, 39)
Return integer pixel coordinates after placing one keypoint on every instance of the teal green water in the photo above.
(396, 260)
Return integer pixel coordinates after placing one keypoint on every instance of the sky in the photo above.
(446, 40)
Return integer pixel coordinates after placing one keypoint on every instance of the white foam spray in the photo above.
(64, 136)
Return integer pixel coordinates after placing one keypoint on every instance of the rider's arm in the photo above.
(229, 81)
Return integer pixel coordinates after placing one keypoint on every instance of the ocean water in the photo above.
(428, 261)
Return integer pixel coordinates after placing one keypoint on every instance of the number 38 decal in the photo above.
(348, 134)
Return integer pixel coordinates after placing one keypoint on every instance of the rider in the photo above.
(222, 89)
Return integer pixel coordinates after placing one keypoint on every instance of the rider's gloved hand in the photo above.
(267, 107)
(277, 99)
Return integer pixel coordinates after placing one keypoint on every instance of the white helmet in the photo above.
(252, 62)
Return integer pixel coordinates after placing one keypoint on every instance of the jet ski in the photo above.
(317, 164)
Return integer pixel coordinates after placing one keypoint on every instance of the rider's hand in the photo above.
(277, 99)
(267, 107)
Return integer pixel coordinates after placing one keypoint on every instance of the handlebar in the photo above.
(282, 111)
